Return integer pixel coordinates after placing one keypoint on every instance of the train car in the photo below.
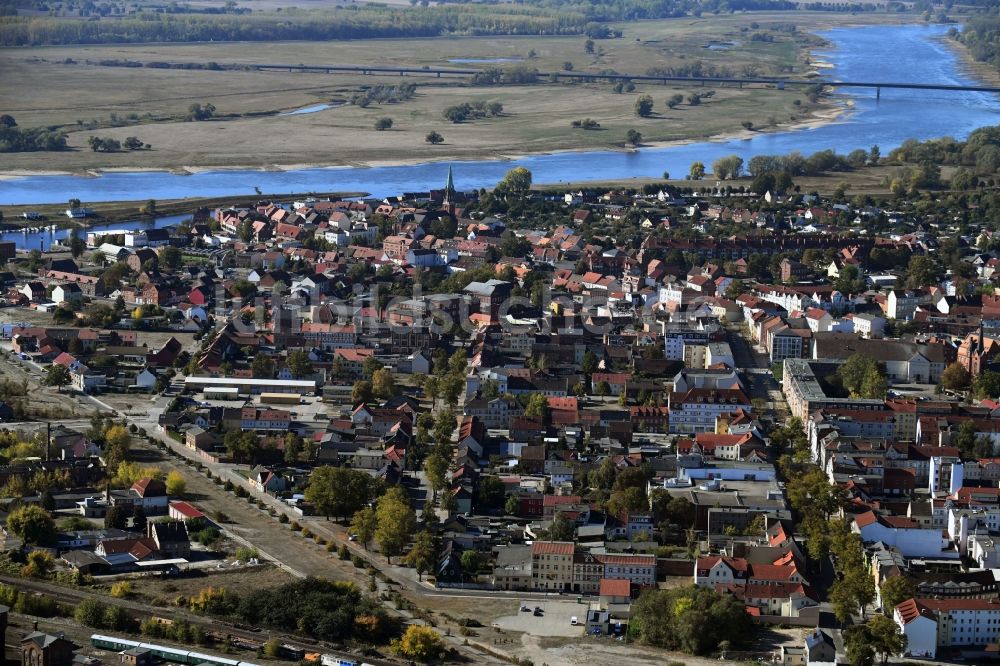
(165, 653)
(112, 643)
(331, 660)
(202, 658)
(291, 652)
(168, 653)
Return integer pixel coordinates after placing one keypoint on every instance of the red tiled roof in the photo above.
(552, 548)
(615, 587)
(865, 519)
(186, 509)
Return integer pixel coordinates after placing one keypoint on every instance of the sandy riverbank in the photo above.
(830, 111)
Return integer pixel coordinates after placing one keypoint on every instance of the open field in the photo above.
(40, 89)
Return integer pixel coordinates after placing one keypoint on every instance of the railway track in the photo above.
(225, 632)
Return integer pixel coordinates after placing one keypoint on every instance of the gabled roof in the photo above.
(552, 548)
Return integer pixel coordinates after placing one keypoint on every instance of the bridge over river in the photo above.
(781, 84)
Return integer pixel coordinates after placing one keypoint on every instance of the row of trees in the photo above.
(112, 145)
(459, 113)
(318, 608)
(14, 139)
(319, 25)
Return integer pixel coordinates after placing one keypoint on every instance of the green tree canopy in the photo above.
(339, 491)
(32, 524)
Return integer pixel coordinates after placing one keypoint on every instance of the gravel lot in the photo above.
(554, 622)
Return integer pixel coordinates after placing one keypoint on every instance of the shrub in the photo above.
(244, 554)
(122, 589)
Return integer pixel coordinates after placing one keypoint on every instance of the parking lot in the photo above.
(554, 621)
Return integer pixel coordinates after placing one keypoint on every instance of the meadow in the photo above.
(67, 87)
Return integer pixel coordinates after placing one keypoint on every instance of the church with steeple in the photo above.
(449, 193)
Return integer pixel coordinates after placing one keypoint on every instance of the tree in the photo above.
(697, 171)
(431, 387)
(885, 637)
(444, 426)
(436, 467)
(588, 47)
(198, 112)
(116, 518)
(242, 446)
(471, 562)
(562, 528)
(987, 384)
(395, 521)
(491, 493)
(90, 613)
(57, 375)
(921, 271)
(537, 407)
(434, 138)
(171, 257)
(422, 555)
(693, 619)
(512, 506)
(729, 167)
(133, 143)
(516, 181)
(859, 649)
(370, 365)
(363, 525)
(633, 138)
(854, 590)
(338, 491)
(603, 388)
(299, 364)
(674, 100)
(420, 643)
(862, 376)
(117, 442)
(383, 124)
(39, 564)
(362, 392)
(176, 485)
(32, 524)
(139, 520)
(262, 366)
(383, 383)
(7, 121)
(76, 244)
(955, 377)
(644, 106)
(457, 362)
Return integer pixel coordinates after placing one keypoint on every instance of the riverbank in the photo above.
(537, 119)
(848, 120)
(106, 212)
(978, 70)
(828, 110)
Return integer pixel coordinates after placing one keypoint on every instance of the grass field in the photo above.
(41, 89)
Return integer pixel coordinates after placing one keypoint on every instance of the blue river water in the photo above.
(909, 53)
(46, 238)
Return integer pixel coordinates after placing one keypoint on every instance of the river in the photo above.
(909, 53)
(46, 238)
